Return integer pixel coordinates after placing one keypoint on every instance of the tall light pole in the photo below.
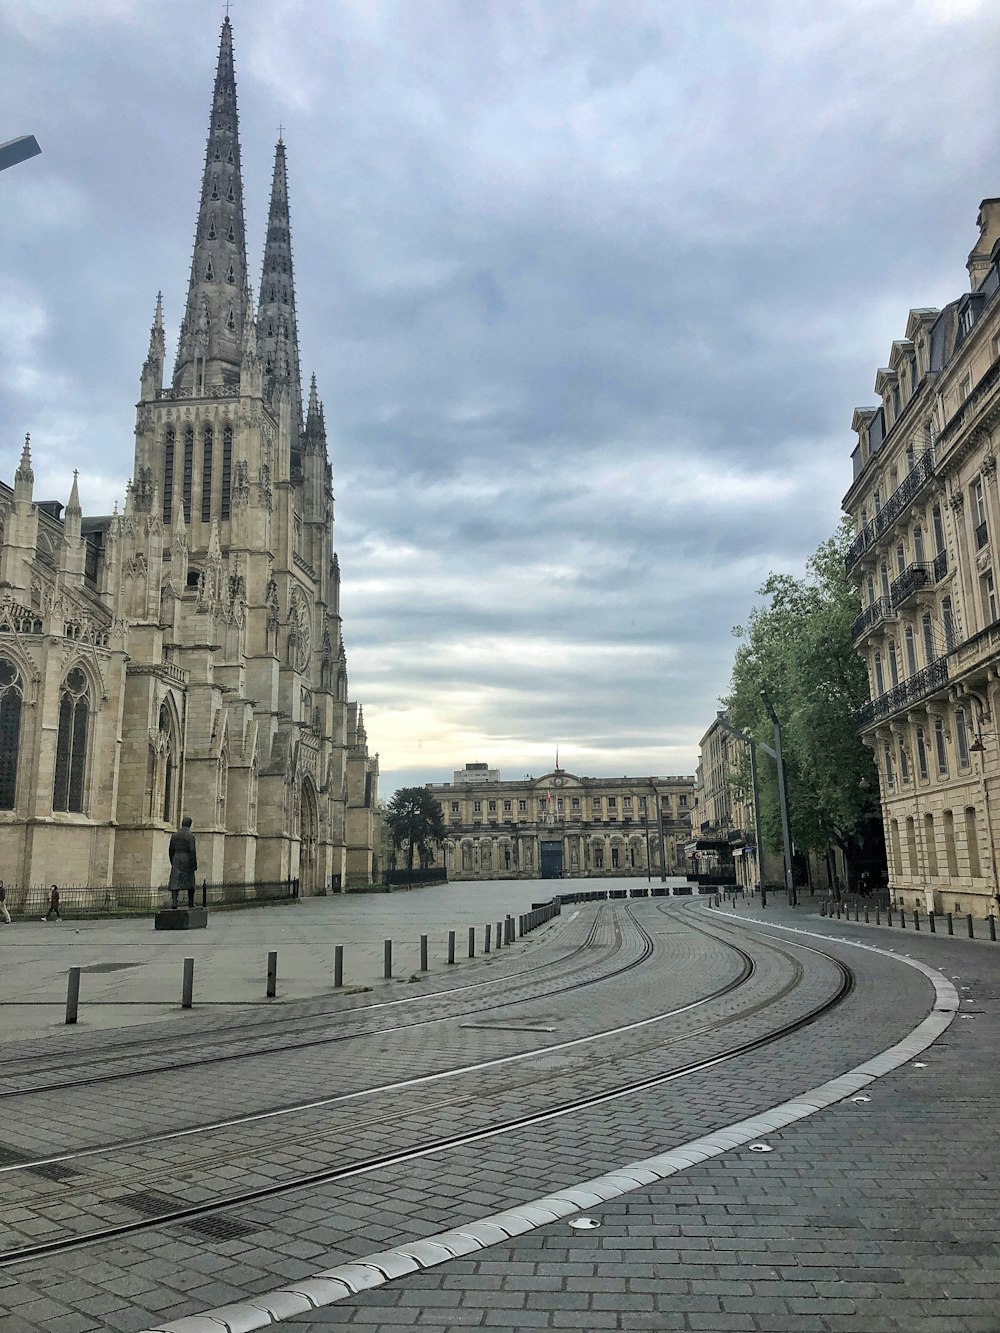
(782, 799)
(18, 150)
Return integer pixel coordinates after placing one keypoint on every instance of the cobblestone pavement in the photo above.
(837, 1186)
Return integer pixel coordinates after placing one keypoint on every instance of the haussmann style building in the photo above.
(561, 826)
(927, 515)
(185, 655)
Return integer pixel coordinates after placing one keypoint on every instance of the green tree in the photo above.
(798, 645)
(415, 821)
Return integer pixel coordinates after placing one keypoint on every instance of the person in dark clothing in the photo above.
(53, 904)
(3, 903)
(183, 862)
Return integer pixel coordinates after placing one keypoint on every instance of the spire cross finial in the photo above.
(227, 8)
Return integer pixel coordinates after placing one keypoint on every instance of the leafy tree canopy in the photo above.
(415, 821)
(798, 646)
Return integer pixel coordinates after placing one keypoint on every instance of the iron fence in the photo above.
(81, 900)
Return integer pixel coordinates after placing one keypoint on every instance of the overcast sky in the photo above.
(591, 290)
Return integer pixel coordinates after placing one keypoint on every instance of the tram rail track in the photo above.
(336, 1173)
(285, 1041)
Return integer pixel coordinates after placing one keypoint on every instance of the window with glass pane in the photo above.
(961, 738)
(11, 696)
(928, 633)
(911, 651)
(939, 747)
(921, 754)
(71, 743)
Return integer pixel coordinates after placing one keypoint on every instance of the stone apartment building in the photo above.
(185, 655)
(927, 516)
(561, 825)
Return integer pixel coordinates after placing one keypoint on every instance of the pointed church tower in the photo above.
(152, 370)
(211, 338)
(277, 327)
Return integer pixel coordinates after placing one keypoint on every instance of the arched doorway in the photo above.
(308, 838)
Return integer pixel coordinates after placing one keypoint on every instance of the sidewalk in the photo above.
(132, 974)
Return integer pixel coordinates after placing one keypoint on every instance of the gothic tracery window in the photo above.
(11, 697)
(71, 743)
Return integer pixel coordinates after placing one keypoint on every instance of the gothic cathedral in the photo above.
(185, 656)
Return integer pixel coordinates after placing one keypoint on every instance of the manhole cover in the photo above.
(761, 1147)
(108, 967)
(220, 1228)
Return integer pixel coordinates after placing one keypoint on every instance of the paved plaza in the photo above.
(865, 1215)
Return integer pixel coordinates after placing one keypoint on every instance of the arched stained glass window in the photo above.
(71, 745)
(11, 696)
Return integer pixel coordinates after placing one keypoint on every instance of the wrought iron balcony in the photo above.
(912, 579)
(869, 618)
(898, 502)
(907, 692)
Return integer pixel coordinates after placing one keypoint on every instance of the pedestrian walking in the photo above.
(53, 904)
(183, 854)
(3, 903)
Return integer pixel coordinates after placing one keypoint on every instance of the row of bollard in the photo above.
(842, 911)
(507, 932)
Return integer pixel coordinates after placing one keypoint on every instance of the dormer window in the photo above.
(967, 320)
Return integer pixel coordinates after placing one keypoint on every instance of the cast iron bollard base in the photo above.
(181, 918)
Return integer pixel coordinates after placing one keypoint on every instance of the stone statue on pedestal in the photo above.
(183, 855)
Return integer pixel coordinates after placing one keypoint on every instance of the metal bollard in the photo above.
(838, 911)
(878, 915)
(916, 918)
(486, 938)
(387, 960)
(902, 918)
(338, 965)
(451, 946)
(867, 922)
(272, 975)
(187, 986)
(499, 938)
(993, 927)
(888, 913)
(423, 953)
(951, 925)
(931, 923)
(972, 933)
(822, 907)
(72, 994)
(472, 941)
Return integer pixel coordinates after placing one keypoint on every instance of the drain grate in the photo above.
(11, 1156)
(220, 1228)
(108, 967)
(52, 1171)
(149, 1203)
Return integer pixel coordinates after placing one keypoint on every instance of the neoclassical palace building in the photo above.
(184, 656)
(561, 825)
(927, 515)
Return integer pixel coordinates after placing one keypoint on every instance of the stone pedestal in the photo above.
(181, 918)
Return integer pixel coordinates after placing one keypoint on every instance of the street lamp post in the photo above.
(782, 799)
(18, 150)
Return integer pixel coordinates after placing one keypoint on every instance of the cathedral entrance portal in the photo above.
(308, 839)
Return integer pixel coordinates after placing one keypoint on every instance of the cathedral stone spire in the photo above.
(24, 477)
(211, 338)
(277, 328)
(152, 370)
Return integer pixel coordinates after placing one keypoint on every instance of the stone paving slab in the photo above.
(294, 1237)
(231, 955)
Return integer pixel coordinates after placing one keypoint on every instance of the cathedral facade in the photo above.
(185, 655)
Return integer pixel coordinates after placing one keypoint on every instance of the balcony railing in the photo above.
(908, 691)
(901, 498)
(912, 579)
(869, 618)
